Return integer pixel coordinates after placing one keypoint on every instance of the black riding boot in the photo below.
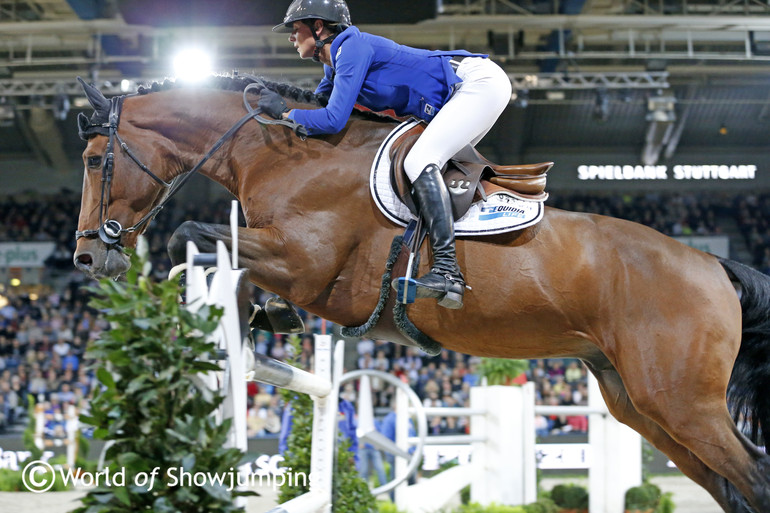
(444, 281)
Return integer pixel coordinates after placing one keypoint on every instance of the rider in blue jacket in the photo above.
(458, 93)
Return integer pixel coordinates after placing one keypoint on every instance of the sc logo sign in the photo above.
(268, 465)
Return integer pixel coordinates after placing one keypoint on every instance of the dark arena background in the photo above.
(657, 111)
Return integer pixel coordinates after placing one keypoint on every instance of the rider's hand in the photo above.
(272, 104)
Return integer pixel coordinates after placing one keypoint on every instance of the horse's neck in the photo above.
(264, 154)
(295, 176)
(275, 175)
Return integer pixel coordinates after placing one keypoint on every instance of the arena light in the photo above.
(192, 64)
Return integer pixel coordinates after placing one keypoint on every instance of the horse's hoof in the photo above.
(278, 316)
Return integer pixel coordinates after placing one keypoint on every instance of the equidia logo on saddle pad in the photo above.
(501, 212)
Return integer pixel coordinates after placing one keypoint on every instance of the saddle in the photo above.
(468, 176)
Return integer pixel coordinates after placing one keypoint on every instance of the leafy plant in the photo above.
(298, 443)
(543, 505)
(11, 481)
(387, 507)
(475, 507)
(666, 504)
(351, 493)
(151, 401)
(499, 371)
(643, 497)
(570, 496)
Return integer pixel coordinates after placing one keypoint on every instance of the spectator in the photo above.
(574, 372)
(366, 361)
(365, 346)
(66, 395)
(62, 348)
(381, 363)
(70, 361)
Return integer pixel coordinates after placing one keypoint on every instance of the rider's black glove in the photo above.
(272, 104)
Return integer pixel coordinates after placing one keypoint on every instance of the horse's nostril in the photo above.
(84, 259)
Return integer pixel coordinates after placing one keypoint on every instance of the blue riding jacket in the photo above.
(380, 75)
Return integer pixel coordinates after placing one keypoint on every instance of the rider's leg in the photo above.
(444, 281)
(468, 115)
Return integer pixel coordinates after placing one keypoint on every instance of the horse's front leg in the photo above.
(278, 315)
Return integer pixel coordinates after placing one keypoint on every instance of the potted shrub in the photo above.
(642, 499)
(571, 498)
(543, 505)
(666, 504)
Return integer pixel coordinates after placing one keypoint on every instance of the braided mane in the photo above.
(239, 83)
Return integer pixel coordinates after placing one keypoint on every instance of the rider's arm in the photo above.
(352, 64)
(324, 87)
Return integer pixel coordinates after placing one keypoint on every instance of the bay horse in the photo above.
(677, 338)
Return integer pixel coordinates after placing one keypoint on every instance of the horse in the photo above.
(677, 338)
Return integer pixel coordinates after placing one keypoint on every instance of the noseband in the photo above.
(110, 231)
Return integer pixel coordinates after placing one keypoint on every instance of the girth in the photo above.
(469, 176)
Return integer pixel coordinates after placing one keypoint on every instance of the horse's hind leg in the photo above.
(690, 403)
(619, 404)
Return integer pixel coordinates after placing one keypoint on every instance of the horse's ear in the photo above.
(95, 97)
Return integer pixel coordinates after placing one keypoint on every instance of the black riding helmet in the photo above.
(334, 11)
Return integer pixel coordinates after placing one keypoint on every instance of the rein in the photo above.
(110, 231)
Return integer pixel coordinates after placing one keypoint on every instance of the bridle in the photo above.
(110, 231)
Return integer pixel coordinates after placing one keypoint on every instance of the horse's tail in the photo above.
(748, 392)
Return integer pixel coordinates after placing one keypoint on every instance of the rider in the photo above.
(460, 94)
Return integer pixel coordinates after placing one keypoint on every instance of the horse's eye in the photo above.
(95, 161)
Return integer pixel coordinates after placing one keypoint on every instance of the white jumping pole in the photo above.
(234, 231)
(616, 456)
(502, 468)
(229, 339)
(502, 464)
(319, 498)
(615, 450)
(236, 359)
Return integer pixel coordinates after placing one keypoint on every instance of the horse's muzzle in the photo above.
(97, 260)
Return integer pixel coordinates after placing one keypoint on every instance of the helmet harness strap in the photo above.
(319, 43)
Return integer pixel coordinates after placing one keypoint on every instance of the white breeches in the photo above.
(466, 117)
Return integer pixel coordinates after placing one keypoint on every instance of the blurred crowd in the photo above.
(43, 336)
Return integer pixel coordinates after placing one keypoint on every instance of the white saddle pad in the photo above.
(501, 212)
